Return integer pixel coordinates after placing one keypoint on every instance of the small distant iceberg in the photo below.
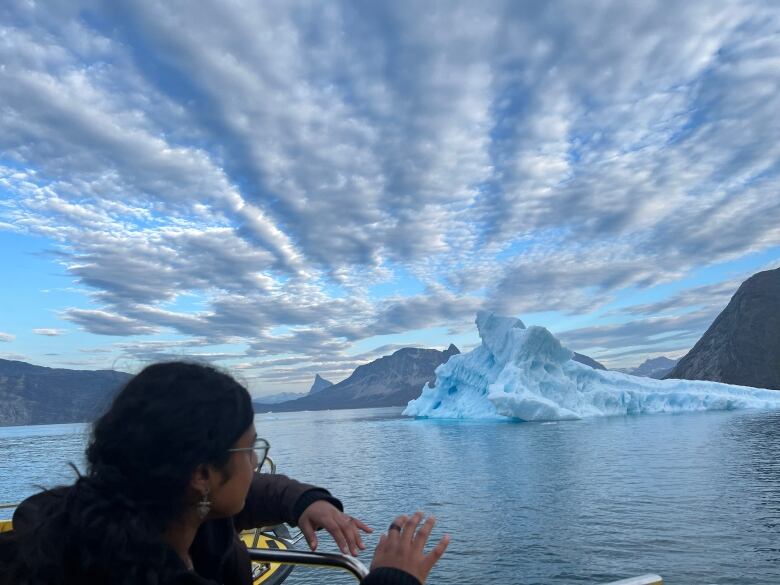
(526, 374)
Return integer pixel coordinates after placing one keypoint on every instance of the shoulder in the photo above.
(37, 507)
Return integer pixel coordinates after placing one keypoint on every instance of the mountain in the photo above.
(588, 361)
(32, 394)
(320, 384)
(652, 368)
(742, 346)
(280, 397)
(388, 381)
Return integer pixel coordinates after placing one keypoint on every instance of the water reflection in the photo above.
(756, 467)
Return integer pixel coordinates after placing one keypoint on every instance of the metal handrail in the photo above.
(311, 559)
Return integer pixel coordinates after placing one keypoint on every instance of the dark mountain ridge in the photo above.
(319, 384)
(742, 346)
(31, 394)
(588, 361)
(388, 381)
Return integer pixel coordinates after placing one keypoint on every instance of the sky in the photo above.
(288, 188)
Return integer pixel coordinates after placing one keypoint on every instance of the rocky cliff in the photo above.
(742, 346)
(319, 384)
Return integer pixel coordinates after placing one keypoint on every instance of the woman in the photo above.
(170, 480)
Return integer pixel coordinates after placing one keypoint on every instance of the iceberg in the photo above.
(524, 373)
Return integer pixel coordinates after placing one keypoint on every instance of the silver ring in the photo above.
(394, 526)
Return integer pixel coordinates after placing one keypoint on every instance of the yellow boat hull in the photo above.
(266, 573)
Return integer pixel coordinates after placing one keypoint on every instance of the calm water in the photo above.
(695, 497)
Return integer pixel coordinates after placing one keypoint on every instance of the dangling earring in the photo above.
(204, 505)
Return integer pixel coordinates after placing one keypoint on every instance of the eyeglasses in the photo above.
(259, 450)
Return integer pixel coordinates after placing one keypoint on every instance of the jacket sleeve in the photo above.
(275, 498)
(389, 576)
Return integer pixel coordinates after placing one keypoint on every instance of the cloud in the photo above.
(436, 307)
(96, 350)
(7, 337)
(575, 280)
(361, 148)
(49, 332)
(669, 334)
(104, 323)
(201, 179)
(714, 296)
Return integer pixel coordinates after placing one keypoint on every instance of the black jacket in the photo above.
(217, 553)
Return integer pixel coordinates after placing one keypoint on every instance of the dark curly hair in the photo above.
(107, 528)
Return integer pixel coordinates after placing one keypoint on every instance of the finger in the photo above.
(362, 526)
(355, 534)
(350, 534)
(410, 526)
(335, 531)
(393, 533)
(433, 557)
(424, 533)
(356, 543)
(309, 533)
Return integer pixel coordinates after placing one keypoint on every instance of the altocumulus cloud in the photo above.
(277, 161)
(49, 332)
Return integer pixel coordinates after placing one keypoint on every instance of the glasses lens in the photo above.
(261, 450)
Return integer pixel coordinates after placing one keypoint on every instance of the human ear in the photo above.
(201, 478)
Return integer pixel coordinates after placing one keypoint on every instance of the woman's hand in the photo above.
(402, 549)
(344, 529)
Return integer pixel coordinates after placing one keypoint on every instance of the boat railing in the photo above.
(311, 559)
